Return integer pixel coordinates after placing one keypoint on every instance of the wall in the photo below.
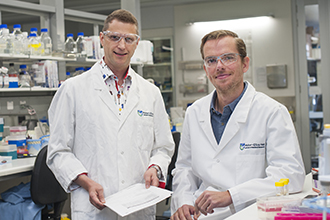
(271, 43)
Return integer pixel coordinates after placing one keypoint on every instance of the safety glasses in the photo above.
(116, 37)
(226, 59)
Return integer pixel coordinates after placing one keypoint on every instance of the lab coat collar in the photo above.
(238, 117)
(103, 92)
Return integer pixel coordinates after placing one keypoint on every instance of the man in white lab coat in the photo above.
(109, 128)
(236, 142)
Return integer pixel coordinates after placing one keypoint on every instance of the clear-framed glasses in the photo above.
(226, 59)
(116, 37)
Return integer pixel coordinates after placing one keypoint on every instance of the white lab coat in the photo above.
(271, 152)
(88, 135)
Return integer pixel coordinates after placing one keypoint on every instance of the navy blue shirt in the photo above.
(218, 120)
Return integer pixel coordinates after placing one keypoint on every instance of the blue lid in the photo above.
(44, 30)
(23, 66)
(68, 73)
(69, 35)
(34, 29)
(33, 35)
(80, 68)
(3, 26)
(17, 26)
(80, 33)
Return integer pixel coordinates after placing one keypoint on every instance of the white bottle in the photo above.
(81, 45)
(324, 157)
(46, 43)
(70, 45)
(34, 45)
(17, 37)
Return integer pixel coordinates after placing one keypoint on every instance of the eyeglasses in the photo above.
(116, 37)
(226, 59)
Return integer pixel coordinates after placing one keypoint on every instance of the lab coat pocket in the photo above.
(145, 134)
(249, 167)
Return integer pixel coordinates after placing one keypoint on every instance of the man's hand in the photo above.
(95, 191)
(184, 213)
(209, 200)
(150, 177)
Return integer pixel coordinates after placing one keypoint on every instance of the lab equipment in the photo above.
(12, 76)
(17, 37)
(34, 45)
(70, 46)
(279, 188)
(8, 150)
(6, 42)
(46, 43)
(81, 45)
(324, 160)
(285, 186)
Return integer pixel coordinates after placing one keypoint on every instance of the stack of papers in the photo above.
(135, 198)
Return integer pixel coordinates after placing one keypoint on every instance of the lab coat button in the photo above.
(122, 152)
(122, 181)
(218, 161)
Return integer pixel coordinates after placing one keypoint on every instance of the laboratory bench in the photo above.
(251, 212)
(17, 168)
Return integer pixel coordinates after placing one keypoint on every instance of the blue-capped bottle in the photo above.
(17, 37)
(34, 45)
(70, 46)
(47, 46)
(81, 45)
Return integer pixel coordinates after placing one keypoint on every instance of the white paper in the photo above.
(135, 198)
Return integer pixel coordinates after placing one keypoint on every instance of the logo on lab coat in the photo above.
(142, 113)
(245, 146)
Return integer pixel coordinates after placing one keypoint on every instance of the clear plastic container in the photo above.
(8, 150)
(34, 45)
(17, 130)
(279, 188)
(81, 45)
(70, 46)
(6, 42)
(17, 39)
(24, 77)
(46, 43)
(285, 186)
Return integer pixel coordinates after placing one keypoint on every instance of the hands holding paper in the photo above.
(95, 190)
(204, 204)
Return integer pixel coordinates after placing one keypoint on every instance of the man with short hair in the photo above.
(109, 128)
(236, 142)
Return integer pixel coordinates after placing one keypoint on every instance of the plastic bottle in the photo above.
(34, 31)
(5, 79)
(24, 77)
(3, 73)
(79, 70)
(34, 74)
(6, 43)
(286, 186)
(46, 43)
(324, 160)
(279, 188)
(2, 26)
(25, 43)
(34, 45)
(17, 37)
(67, 75)
(13, 76)
(81, 45)
(70, 45)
